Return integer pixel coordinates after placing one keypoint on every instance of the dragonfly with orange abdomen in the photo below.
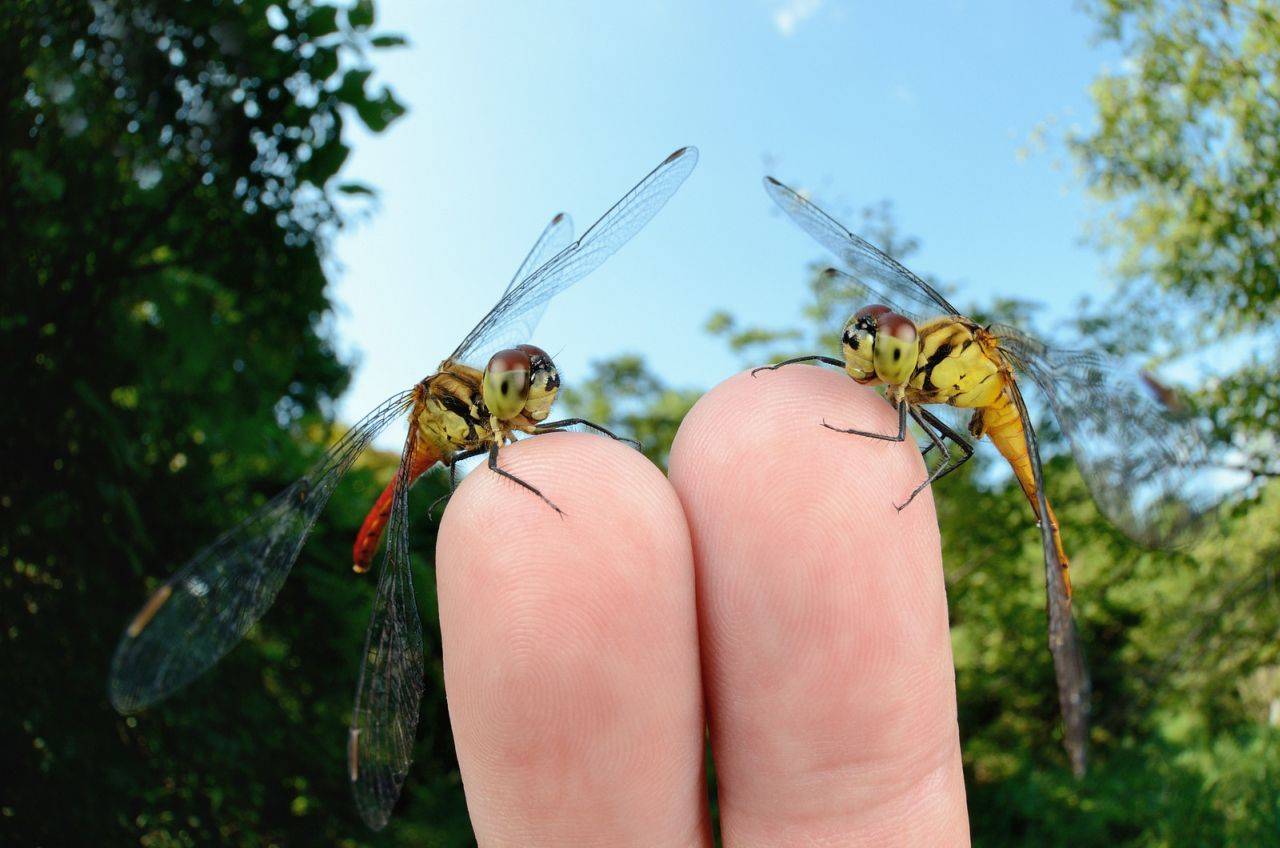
(1145, 462)
(460, 411)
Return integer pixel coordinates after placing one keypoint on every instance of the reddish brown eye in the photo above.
(534, 351)
(874, 311)
(539, 360)
(893, 324)
(513, 359)
(506, 383)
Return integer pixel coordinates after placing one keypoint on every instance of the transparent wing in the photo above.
(511, 314)
(1148, 468)
(204, 609)
(1064, 642)
(555, 238)
(880, 272)
(857, 291)
(384, 720)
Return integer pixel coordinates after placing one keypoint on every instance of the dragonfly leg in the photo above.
(452, 464)
(570, 422)
(453, 480)
(966, 448)
(898, 437)
(939, 433)
(493, 466)
(826, 360)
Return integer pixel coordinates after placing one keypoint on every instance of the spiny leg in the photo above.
(826, 360)
(493, 466)
(931, 425)
(570, 422)
(934, 441)
(900, 436)
(453, 479)
(956, 439)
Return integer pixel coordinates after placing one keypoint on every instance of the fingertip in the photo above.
(822, 607)
(570, 647)
(770, 431)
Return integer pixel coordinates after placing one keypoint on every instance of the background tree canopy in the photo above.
(171, 176)
(169, 181)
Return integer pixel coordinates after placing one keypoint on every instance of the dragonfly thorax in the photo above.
(959, 365)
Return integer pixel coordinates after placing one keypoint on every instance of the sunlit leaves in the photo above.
(1186, 157)
(171, 171)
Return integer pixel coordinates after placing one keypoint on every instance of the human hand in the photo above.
(770, 591)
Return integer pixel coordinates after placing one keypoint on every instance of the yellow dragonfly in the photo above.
(1140, 459)
(460, 411)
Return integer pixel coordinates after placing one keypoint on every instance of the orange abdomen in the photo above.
(1003, 426)
(376, 521)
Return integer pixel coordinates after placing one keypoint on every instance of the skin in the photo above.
(769, 591)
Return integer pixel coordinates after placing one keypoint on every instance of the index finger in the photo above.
(822, 617)
(570, 650)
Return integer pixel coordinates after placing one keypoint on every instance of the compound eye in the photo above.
(897, 349)
(539, 359)
(535, 352)
(871, 314)
(893, 324)
(506, 382)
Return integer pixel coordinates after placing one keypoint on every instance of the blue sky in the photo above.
(520, 110)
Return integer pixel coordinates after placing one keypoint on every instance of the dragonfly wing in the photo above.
(1148, 469)
(384, 720)
(204, 609)
(555, 238)
(855, 290)
(522, 301)
(881, 273)
(1064, 642)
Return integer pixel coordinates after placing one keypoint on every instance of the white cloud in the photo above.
(789, 14)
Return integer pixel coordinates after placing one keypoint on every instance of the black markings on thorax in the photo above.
(456, 405)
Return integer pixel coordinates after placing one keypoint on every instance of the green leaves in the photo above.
(378, 113)
(1185, 161)
(167, 345)
(383, 41)
(325, 161)
(321, 21)
(375, 112)
(351, 89)
(361, 14)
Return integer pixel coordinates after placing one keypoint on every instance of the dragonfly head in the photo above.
(544, 383)
(880, 346)
(520, 380)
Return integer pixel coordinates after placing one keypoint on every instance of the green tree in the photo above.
(170, 176)
(1185, 158)
(1181, 645)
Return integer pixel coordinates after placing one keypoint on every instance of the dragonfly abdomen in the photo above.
(366, 545)
(1001, 423)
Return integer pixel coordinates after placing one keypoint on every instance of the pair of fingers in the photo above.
(769, 592)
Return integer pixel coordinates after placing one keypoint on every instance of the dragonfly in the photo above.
(1142, 460)
(459, 412)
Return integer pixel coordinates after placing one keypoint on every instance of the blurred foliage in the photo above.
(1184, 647)
(171, 174)
(169, 178)
(1186, 157)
